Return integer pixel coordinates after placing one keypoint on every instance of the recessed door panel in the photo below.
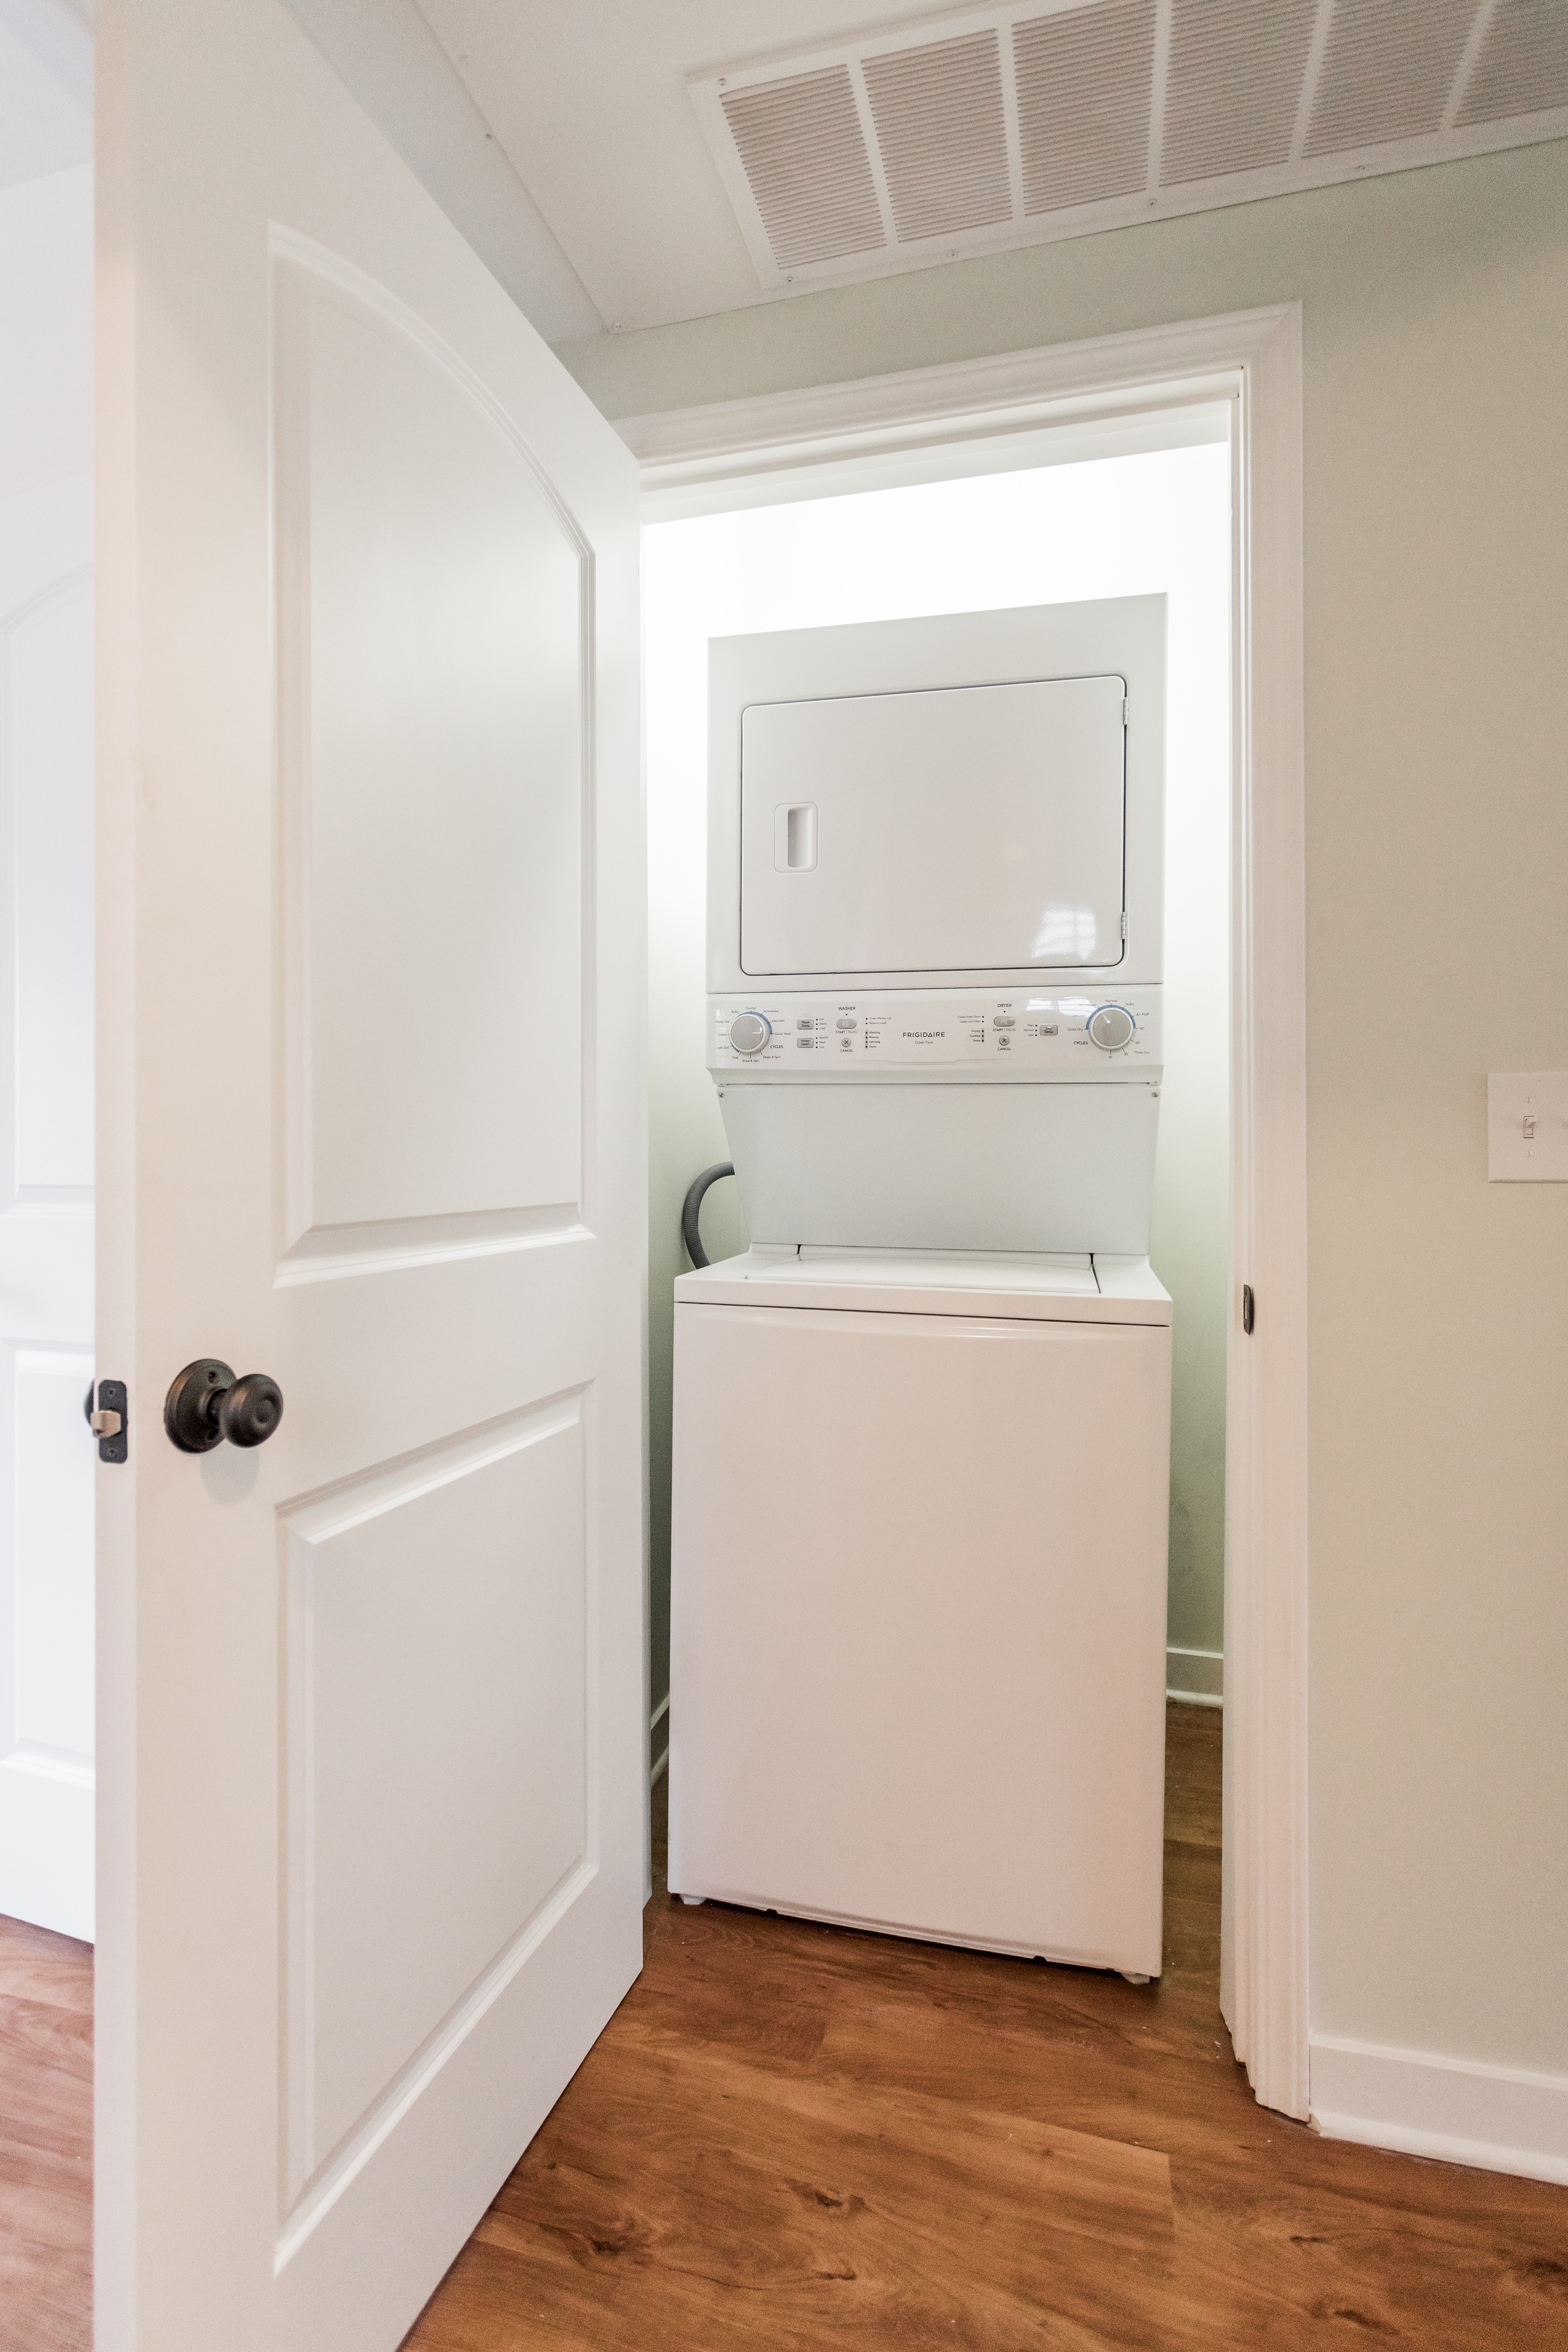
(966, 829)
(46, 707)
(434, 1720)
(432, 667)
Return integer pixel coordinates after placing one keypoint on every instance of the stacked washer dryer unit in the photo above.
(922, 1427)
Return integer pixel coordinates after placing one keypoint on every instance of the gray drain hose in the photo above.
(691, 1208)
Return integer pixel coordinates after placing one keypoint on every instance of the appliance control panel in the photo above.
(1079, 1034)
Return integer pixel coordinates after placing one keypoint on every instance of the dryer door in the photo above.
(974, 828)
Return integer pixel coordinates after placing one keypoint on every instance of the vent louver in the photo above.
(937, 114)
(1083, 82)
(1387, 70)
(1235, 86)
(800, 148)
(1523, 64)
(995, 126)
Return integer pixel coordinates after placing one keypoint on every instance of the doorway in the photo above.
(1118, 396)
(1153, 520)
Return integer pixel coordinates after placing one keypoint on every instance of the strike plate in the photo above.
(112, 1398)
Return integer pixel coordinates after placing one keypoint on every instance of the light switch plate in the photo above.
(1527, 1127)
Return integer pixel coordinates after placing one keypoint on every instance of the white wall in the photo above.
(1435, 310)
(1121, 526)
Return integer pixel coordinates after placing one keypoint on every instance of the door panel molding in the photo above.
(382, 1247)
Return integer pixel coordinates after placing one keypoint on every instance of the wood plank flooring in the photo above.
(797, 2138)
(46, 2141)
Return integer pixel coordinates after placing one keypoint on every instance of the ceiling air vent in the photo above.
(937, 111)
(1522, 68)
(805, 159)
(1234, 87)
(1387, 72)
(1083, 79)
(1002, 126)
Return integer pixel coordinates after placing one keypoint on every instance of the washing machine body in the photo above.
(918, 1596)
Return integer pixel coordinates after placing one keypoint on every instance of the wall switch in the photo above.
(1527, 1127)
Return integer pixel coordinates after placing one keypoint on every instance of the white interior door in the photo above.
(372, 1123)
(46, 1205)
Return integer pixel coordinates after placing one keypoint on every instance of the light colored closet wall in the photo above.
(1157, 522)
(1436, 315)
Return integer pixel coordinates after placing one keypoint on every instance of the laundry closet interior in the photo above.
(939, 850)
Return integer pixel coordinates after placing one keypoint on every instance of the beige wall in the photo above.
(1437, 512)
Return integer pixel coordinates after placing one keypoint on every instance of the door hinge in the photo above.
(1248, 1308)
(1126, 709)
(1124, 922)
(109, 1418)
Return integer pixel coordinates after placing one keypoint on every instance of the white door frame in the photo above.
(880, 429)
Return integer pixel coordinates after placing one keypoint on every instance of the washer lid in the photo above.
(960, 1282)
(966, 828)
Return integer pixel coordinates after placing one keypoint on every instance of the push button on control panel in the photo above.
(749, 1032)
(1111, 1027)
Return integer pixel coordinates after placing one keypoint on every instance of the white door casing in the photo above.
(372, 1121)
(45, 1206)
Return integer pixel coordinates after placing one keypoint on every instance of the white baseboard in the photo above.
(661, 1764)
(1196, 1676)
(1499, 2118)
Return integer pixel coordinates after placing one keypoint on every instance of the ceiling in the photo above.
(591, 104)
(1028, 118)
(627, 122)
(625, 164)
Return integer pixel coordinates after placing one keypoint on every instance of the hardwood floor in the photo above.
(795, 2137)
(46, 2141)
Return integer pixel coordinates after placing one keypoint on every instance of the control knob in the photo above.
(749, 1032)
(1111, 1027)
